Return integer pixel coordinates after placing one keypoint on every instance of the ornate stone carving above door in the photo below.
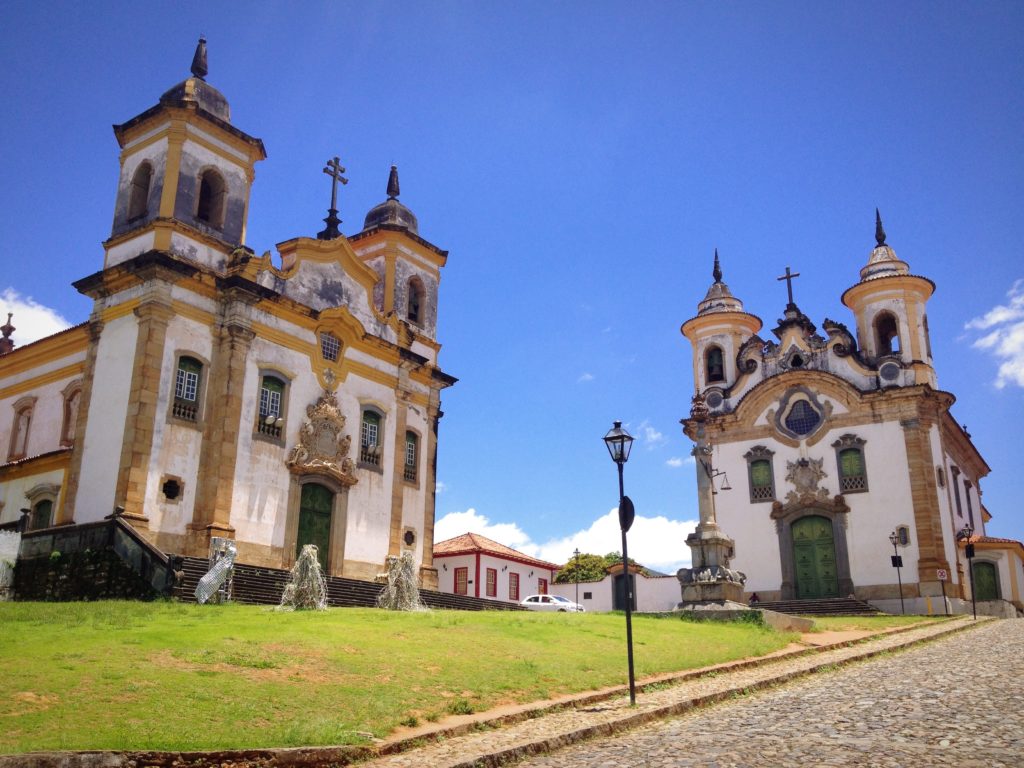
(323, 446)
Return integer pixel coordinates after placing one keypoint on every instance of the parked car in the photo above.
(551, 603)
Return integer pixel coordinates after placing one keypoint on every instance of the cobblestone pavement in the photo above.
(1001, 643)
(954, 702)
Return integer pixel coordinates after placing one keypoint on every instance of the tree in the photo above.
(586, 567)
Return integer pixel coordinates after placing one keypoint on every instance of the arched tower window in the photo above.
(887, 333)
(714, 364)
(138, 203)
(414, 309)
(212, 192)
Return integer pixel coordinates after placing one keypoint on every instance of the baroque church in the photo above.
(842, 451)
(215, 393)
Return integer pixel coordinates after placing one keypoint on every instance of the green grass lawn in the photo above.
(874, 623)
(120, 675)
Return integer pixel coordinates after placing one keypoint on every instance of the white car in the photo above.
(551, 603)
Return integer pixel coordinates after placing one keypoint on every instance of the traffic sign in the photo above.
(941, 573)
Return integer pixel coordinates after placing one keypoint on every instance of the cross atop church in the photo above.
(334, 169)
(788, 277)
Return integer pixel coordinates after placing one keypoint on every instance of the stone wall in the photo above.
(87, 575)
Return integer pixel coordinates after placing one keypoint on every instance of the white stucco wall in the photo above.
(653, 594)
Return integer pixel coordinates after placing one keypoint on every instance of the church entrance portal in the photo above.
(315, 520)
(814, 554)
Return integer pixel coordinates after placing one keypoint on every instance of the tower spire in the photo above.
(199, 68)
(6, 343)
(393, 189)
(879, 232)
(717, 271)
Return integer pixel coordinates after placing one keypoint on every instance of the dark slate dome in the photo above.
(391, 211)
(195, 90)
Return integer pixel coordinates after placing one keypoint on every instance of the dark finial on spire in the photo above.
(6, 343)
(393, 190)
(199, 59)
(879, 232)
(717, 271)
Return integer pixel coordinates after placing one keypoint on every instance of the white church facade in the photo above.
(834, 442)
(214, 392)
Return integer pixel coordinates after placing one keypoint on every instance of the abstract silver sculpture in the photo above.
(216, 583)
(307, 589)
(400, 592)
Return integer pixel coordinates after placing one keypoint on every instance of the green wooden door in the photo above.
(315, 520)
(986, 581)
(815, 554)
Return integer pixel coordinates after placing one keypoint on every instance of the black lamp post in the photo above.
(576, 573)
(966, 534)
(897, 563)
(619, 441)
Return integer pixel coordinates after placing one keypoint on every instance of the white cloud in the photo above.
(32, 320)
(1005, 337)
(439, 487)
(680, 461)
(655, 542)
(651, 437)
(585, 377)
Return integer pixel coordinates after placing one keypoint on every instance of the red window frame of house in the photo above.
(542, 586)
(492, 582)
(462, 581)
(513, 587)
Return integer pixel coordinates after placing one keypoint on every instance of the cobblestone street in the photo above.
(957, 701)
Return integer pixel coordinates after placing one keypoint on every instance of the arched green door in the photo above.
(315, 520)
(986, 581)
(814, 551)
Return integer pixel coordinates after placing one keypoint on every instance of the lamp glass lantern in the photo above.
(619, 443)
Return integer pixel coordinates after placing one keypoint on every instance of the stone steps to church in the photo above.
(264, 586)
(838, 606)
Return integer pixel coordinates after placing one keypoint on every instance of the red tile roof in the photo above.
(469, 543)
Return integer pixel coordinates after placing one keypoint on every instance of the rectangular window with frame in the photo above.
(492, 582)
(762, 484)
(411, 453)
(462, 581)
(513, 587)
(330, 347)
(852, 477)
(271, 402)
(187, 382)
(369, 438)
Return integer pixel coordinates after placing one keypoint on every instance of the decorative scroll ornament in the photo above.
(323, 447)
(805, 475)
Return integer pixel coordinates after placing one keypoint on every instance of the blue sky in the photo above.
(581, 161)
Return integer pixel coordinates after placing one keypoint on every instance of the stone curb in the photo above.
(350, 755)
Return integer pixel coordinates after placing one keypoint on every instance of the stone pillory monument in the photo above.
(218, 394)
(842, 452)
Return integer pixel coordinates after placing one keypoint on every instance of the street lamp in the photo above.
(897, 563)
(619, 441)
(966, 534)
(576, 573)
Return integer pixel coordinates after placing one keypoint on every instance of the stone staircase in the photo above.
(835, 606)
(263, 586)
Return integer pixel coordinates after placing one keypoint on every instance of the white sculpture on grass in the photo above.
(400, 592)
(216, 583)
(307, 589)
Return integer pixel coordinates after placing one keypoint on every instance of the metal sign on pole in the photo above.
(943, 578)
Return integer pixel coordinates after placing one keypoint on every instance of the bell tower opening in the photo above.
(887, 336)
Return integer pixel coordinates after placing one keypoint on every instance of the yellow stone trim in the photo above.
(48, 350)
(68, 371)
(118, 311)
(38, 466)
(192, 312)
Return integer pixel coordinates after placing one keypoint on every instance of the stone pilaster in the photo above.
(67, 514)
(428, 573)
(925, 500)
(398, 473)
(223, 424)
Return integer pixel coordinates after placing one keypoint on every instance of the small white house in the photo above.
(651, 594)
(474, 565)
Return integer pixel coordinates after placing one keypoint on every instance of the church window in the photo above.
(903, 535)
(887, 332)
(370, 435)
(212, 193)
(187, 388)
(492, 582)
(330, 346)
(72, 401)
(23, 410)
(171, 488)
(412, 441)
(42, 515)
(802, 419)
(970, 505)
(270, 421)
(760, 474)
(414, 309)
(955, 471)
(462, 581)
(853, 477)
(138, 203)
(714, 364)
(513, 587)
(940, 477)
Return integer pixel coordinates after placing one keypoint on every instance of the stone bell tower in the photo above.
(186, 174)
